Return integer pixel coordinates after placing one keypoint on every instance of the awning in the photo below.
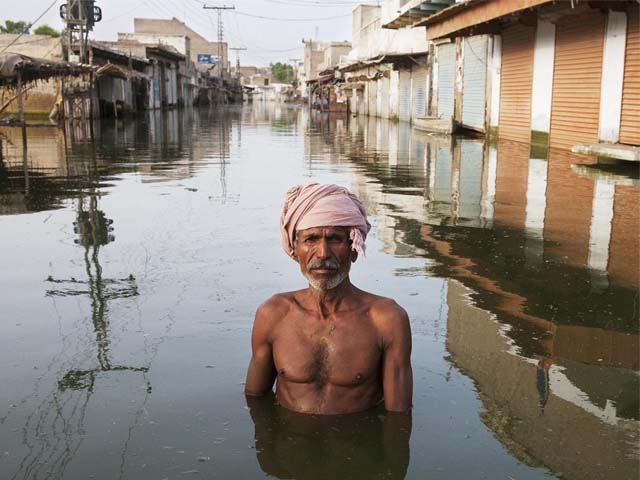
(415, 11)
(32, 69)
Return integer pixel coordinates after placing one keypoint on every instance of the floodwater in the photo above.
(131, 269)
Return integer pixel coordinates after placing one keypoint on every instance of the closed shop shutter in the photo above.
(404, 113)
(383, 97)
(474, 81)
(577, 75)
(372, 95)
(515, 83)
(630, 117)
(446, 79)
(419, 96)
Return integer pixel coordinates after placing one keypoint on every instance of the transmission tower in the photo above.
(79, 16)
(220, 32)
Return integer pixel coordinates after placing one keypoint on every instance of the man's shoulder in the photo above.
(277, 305)
(386, 313)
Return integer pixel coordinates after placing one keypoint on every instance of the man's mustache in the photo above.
(324, 264)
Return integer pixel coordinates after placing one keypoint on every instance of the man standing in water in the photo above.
(333, 348)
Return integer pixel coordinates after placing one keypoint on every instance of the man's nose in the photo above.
(323, 249)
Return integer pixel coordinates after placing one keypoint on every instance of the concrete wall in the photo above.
(199, 44)
(334, 52)
(371, 40)
(41, 98)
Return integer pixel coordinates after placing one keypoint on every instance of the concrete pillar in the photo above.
(612, 76)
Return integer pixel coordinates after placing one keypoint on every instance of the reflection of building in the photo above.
(580, 420)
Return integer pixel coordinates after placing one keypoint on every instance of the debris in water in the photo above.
(203, 459)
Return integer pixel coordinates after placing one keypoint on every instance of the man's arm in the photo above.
(397, 376)
(262, 371)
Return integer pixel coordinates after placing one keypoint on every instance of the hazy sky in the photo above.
(267, 40)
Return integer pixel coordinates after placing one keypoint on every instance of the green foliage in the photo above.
(47, 30)
(283, 73)
(14, 27)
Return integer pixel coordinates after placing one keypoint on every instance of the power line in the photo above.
(291, 19)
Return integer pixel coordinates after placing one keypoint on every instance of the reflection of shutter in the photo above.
(372, 90)
(470, 183)
(405, 96)
(419, 87)
(630, 117)
(474, 81)
(577, 75)
(446, 79)
(383, 97)
(515, 83)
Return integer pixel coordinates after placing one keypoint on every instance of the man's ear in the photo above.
(354, 256)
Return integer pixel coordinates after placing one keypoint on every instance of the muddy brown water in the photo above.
(132, 266)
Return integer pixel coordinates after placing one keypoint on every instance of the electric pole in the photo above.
(238, 50)
(220, 31)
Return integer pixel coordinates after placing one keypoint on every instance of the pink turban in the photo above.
(316, 205)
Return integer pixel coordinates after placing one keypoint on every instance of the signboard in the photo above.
(207, 59)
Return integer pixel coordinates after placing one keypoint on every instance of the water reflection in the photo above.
(373, 444)
(518, 273)
(571, 417)
(548, 247)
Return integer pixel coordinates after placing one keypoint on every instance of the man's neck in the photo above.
(328, 302)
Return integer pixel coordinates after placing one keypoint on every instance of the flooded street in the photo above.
(132, 268)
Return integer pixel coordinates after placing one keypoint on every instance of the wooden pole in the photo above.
(24, 133)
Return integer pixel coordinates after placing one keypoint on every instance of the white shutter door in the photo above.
(446, 79)
(474, 81)
(405, 96)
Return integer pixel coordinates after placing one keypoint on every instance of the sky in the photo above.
(276, 38)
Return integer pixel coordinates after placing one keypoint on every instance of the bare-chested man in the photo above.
(333, 348)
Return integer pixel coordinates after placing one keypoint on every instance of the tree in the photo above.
(282, 72)
(14, 27)
(47, 30)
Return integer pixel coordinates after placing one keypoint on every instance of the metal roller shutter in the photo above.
(577, 75)
(515, 84)
(405, 96)
(446, 79)
(474, 81)
(419, 95)
(630, 117)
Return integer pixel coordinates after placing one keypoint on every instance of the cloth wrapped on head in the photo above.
(315, 205)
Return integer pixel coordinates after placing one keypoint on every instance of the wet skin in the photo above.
(332, 350)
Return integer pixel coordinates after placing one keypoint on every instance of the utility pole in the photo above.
(294, 66)
(238, 50)
(220, 32)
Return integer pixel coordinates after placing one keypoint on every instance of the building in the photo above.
(312, 63)
(187, 71)
(122, 83)
(556, 74)
(199, 44)
(388, 68)
(164, 66)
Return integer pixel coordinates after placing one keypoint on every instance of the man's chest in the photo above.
(341, 353)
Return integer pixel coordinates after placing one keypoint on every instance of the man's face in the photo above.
(324, 255)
